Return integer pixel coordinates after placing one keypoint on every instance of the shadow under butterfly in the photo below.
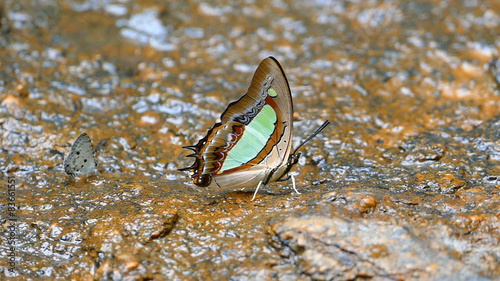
(252, 145)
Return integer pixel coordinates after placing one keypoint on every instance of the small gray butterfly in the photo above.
(80, 159)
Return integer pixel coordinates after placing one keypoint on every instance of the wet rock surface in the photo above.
(403, 185)
(326, 248)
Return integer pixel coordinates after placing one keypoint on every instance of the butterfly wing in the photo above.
(80, 159)
(266, 111)
(253, 138)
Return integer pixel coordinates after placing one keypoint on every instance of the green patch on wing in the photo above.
(271, 92)
(255, 137)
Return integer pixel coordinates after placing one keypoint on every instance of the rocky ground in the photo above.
(403, 185)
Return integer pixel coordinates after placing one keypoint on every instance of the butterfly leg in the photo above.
(256, 190)
(293, 185)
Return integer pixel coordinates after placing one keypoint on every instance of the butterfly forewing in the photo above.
(269, 87)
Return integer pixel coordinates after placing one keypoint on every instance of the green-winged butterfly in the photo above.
(252, 145)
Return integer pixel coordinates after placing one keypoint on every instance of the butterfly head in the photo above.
(292, 160)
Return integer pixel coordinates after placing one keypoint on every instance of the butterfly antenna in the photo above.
(318, 130)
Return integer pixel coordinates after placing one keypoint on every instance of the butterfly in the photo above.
(80, 159)
(252, 144)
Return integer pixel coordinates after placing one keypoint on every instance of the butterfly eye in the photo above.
(202, 180)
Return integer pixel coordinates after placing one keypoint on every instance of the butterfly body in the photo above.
(252, 143)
